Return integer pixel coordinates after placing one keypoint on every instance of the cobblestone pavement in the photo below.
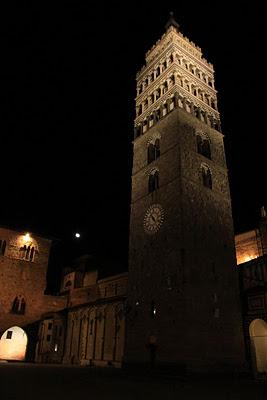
(50, 382)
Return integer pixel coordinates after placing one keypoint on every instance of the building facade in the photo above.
(91, 329)
(23, 268)
(183, 285)
(251, 253)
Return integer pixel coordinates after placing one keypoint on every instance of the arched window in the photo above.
(15, 305)
(153, 181)
(144, 125)
(157, 148)
(206, 176)
(151, 120)
(164, 109)
(137, 131)
(165, 87)
(203, 145)
(27, 256)
(22, 306)
(2, 247)
(22, 251)
(153, 151)
(145, 104)
(150, 153)
(19, 305)
(172, 103)
(32, 254)
(27, 252)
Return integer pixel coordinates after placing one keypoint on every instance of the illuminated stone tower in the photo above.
(183, 288)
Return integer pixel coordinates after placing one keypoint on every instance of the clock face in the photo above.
(153, 218)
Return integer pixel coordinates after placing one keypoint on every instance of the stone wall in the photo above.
(183, 285)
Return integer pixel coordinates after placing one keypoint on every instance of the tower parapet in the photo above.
(175, 75)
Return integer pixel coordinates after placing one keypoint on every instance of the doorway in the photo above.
(13, 344)
(258, 340)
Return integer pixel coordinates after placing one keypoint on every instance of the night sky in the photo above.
(67, 109)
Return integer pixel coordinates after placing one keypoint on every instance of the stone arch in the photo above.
(13, 344)
(258, 341)
(153, 138)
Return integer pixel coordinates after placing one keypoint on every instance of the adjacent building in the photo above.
(251, 254)
(91, 329)
(23, 268)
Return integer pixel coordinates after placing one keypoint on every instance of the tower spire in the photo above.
(172, 22)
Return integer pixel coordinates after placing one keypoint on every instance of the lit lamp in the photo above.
(26, 237)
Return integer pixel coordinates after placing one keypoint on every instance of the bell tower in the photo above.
(183, 295)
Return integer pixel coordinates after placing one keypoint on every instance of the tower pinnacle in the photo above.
(172, 22)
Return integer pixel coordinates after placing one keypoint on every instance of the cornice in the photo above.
(185, 93)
